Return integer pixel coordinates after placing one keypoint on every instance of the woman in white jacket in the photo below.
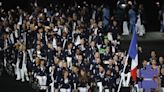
(21, 69)
(139, 26)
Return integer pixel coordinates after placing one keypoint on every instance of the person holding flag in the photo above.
(133, 56)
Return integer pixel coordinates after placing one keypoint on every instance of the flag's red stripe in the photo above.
(134, 73)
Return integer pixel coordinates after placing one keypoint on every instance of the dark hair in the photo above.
(83, 78)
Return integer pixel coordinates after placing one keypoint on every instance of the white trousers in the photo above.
(125, 82)
(82, 89)
(65, 90)
(21, 73)
(107, 90)
(140, 90)
(99, 84)
(42, 80)
(24, 73)
(52, 87)
(162, 89)
(140, 27)
(125, 28)
(17, 73)
(5, 61)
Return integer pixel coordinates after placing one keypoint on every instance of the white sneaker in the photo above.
(22, 80)
(27, 79)
(141, 34)
(17, 78)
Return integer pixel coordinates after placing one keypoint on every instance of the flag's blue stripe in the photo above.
(133, 46)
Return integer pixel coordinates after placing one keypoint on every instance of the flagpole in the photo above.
(126, 60)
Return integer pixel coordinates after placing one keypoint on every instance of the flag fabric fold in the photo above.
(133, 54)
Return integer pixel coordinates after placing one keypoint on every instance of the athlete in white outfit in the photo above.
(21, 69)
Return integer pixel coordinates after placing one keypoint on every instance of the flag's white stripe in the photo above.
(134, 62)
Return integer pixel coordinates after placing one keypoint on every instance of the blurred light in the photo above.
(123, 5)
(157, 3)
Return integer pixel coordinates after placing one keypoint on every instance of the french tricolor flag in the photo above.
(133, 54)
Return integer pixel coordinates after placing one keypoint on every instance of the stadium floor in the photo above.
(9, 84)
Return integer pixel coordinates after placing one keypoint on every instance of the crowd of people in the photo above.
(71, 48)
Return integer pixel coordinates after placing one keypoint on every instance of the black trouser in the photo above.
(42, 91)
